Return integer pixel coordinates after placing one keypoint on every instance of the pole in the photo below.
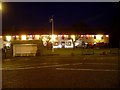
(52, 32)
(52, 25)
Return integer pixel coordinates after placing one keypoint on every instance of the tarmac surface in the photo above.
(84, 71)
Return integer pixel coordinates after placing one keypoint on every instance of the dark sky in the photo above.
(69, 17)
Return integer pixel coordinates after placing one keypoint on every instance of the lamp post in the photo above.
(52, 25)
(52, 21)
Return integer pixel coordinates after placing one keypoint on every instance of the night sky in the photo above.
(70, 18)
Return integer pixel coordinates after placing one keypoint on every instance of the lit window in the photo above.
(37, 37)
(30, 37)
(17, 36)
(81, 35)
(73, 37)
(8, 38)
(92, 35)
(59, 35)
(87, 36)
(94, 42)
(23, 37)
(64, 35)
(67, 36)
(107, 35)
(99, 37)
(86, 43)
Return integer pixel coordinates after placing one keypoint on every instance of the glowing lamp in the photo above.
(87, 35)
(92, 35)
(94, 42)
(81, 35)
(86, 43)
(17, 36)
(0, 36)
(64, 35)
(107, 35)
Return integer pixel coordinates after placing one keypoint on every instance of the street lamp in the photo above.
(52, 21)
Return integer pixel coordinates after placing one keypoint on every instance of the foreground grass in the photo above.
(71, 52)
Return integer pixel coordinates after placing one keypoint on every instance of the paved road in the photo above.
(61, 72)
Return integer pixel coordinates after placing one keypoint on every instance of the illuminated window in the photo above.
(30, 37)
(59, 35)
(92, 35)
(107, 35)
(37, 37)
(17, 37)
(8, 38)
(23, 37)
(73, 37)
(86, 43)
(94, 42)
(14, 37)
(87, 36)
(81, 35)
(99, 37)
(65, 36)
